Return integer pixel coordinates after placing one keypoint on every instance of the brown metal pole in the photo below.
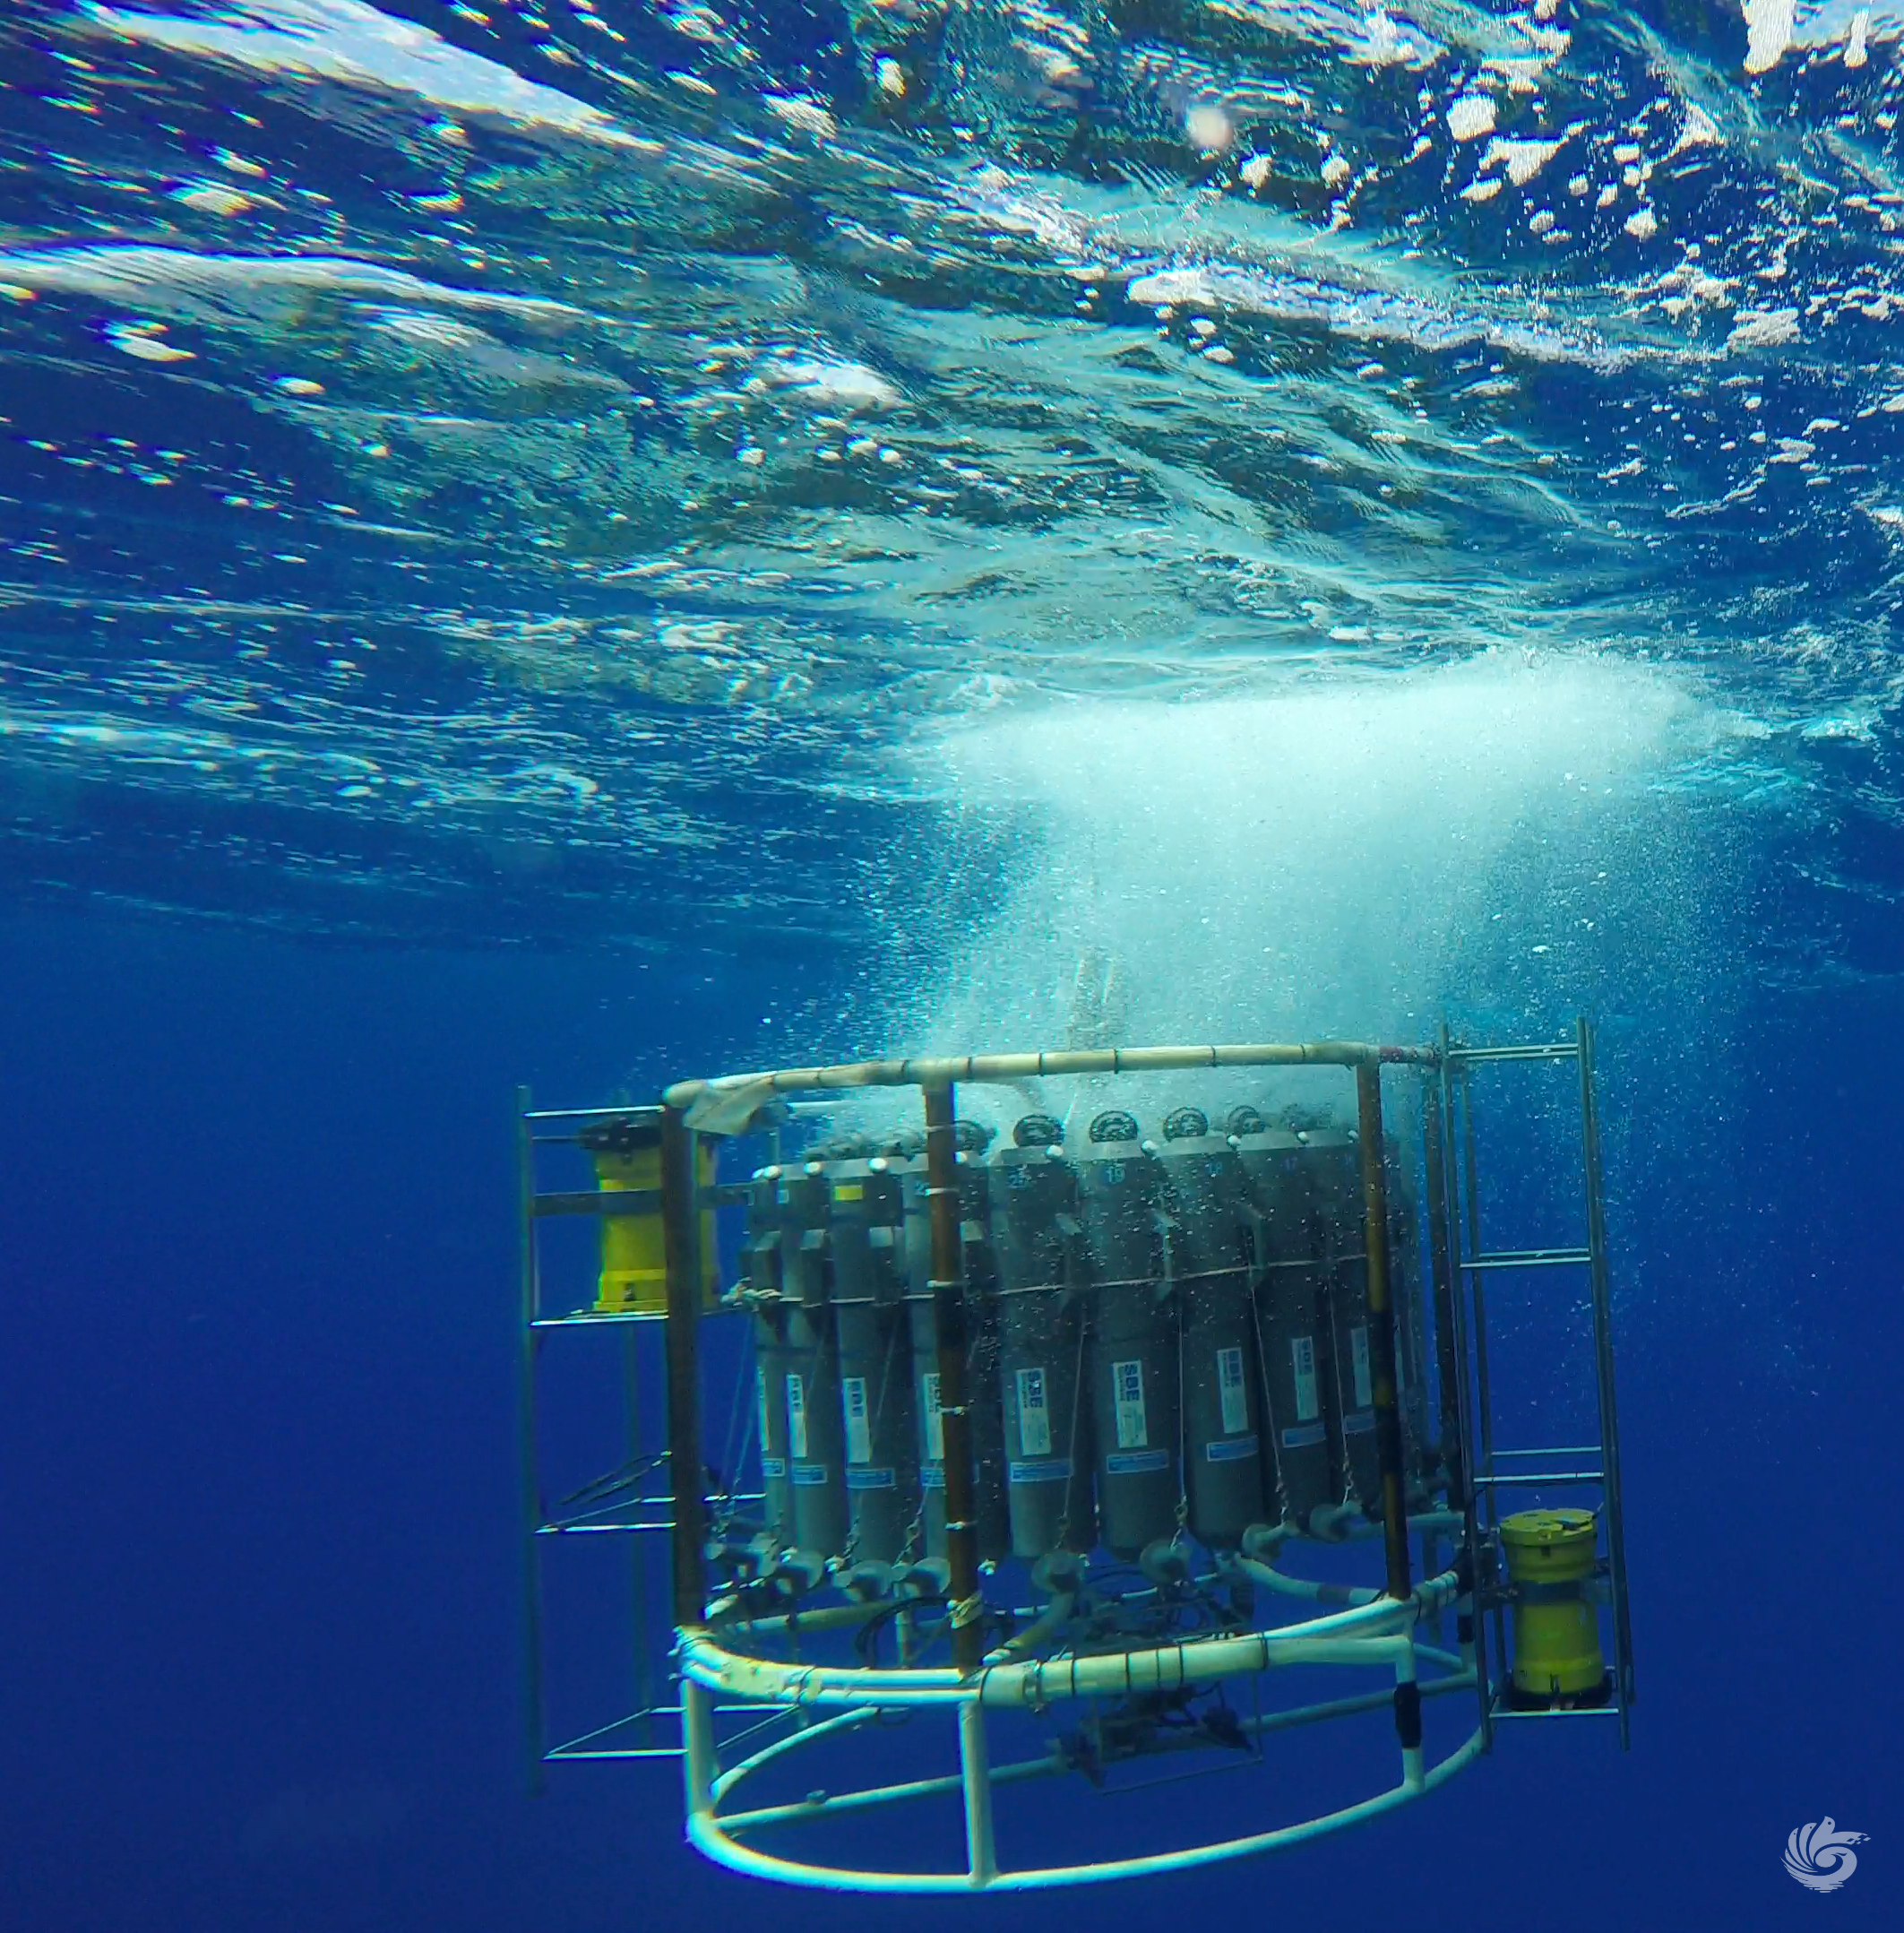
(1382, 1328)
(680, 1242)
(949, 1332)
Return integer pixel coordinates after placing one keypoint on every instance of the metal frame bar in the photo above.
(1593, 1183)
(572, 1748)
(1530, 1258)
(609, 1110)
(1484, 1397)
(1479, 1056)
(1534, 1479)
(1452, 1204)
(1456, 1060)
(1475, 1301)
(534, 1207)
(1506, 1714)
(1452, 1421)
(535, 1714)
(642, 1649)
(593, 1318)
(1385, 1392)
(681, 1240)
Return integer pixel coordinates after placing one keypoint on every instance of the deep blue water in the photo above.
(590, 544)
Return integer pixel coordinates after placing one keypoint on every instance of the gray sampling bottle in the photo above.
(1037, 1240)
(865, 1237)
(1207, 1263)
(1134, 1343)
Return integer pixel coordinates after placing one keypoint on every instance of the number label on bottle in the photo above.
(796, 1417)
(1034, 1418)
(1358, 1355)
(1127, 1393)
(859, 1426)
(1231, 1392)
(1302, 1354)
(934, 1422)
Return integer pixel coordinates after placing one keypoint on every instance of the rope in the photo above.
(1077, 1418)
(897, 1324)
(1183, 1434)
(1262, 1385)
(735, 1459)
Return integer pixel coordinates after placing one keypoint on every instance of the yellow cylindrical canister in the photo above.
(633, 1255)
(1556, 1631)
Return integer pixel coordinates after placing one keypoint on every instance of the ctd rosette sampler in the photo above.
(1045, 1454)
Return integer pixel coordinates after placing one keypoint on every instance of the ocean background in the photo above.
(589, 546)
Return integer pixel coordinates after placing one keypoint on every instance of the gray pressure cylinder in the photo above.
(1133, 1344)
(1207, 1264)
(762, 1258)
(867, 1248)
(981, 1361)
(1292, 1318)
(809, 1390)
(1336, 1171)
(1046, 1433)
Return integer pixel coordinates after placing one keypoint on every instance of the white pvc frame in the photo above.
(1379, 1634)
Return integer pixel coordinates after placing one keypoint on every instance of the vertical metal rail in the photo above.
(1484, 1439)
(681, 1252)
(1471, 1190)
(644, 1698)
(1454, 1454)
(1382, 1328)
(1470, 1278)
(949, 1338)
(1452, 1209)
(535, 1716)
(1603, 1364)
(1447, 1416)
